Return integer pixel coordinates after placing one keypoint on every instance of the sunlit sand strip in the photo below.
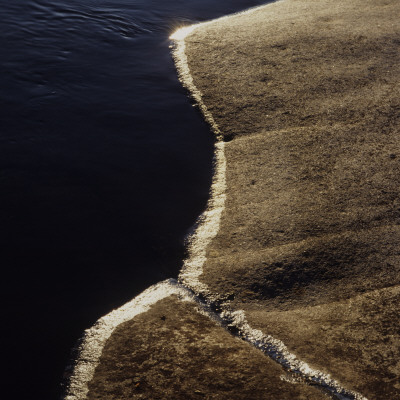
(94, 339)
(207, 227)
(206, 230)
(208, 223)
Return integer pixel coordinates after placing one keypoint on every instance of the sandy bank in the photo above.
(306, 94)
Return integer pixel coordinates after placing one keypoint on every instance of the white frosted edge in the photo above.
(95, 338)
(277, 350)
(208, 226)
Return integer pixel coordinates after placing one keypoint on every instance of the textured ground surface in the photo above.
(307, 95)
(173, 352)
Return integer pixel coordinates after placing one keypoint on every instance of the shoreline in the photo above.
(207, 230)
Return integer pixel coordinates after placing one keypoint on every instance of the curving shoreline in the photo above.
(268, 309)
(306, 93)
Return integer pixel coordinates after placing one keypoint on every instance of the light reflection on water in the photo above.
(104, 166)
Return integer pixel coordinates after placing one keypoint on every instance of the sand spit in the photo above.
(297, 252)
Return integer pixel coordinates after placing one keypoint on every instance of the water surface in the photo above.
(104, 166)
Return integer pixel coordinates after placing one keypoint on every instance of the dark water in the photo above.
(104, 166)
